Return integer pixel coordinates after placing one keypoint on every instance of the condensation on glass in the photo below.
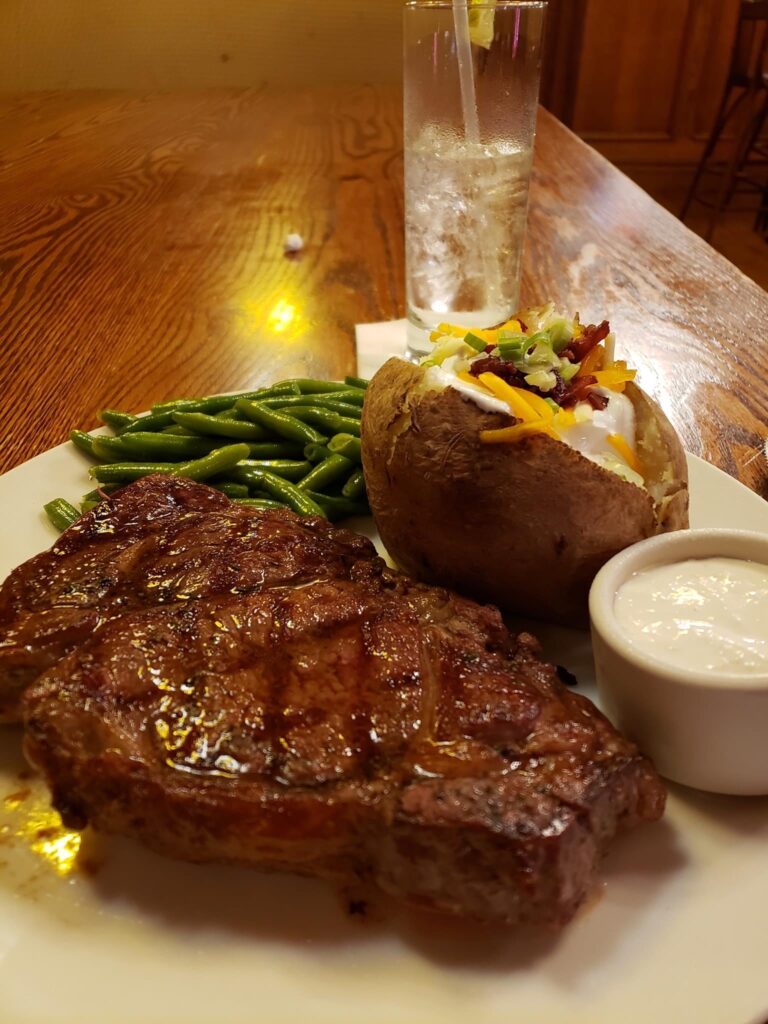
(470, 95)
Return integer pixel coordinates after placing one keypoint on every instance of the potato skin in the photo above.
(524, 525)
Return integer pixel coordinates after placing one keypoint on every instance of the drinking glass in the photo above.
(470, 96)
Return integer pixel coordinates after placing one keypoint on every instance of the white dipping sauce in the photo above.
(704, 614)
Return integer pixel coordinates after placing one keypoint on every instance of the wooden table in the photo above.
(141, 257)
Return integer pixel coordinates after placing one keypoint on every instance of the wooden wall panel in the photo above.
(651, 75)
(713, 32)
(630, 59)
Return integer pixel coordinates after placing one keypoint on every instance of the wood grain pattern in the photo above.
(651, 74)
(141, 253)
(625, 41)
(692, 324)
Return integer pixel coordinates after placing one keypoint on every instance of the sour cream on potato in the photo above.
(589, 435)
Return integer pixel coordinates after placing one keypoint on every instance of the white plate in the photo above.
(678, 931)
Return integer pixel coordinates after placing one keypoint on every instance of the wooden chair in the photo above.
(745, 107)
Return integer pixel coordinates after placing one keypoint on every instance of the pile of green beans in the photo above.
(295, 444)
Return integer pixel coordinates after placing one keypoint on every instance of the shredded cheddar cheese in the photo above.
(512, 325)
(504, 435)
(539, 404)
(592, 361)
(615, 376)
(564, 418)
(515, 398)
(622, 447)
(469, 379)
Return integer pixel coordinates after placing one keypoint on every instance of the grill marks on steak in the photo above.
(161, 540)
(330, 717)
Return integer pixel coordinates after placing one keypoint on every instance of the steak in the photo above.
(160, 540)
(278, 697)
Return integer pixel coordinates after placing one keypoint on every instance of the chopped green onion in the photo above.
(544, 380)
(560, 334)
(511, 351)
(568, 370)
(474, 342)
(539, 338)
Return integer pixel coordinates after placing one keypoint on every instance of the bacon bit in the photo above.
(493, 364)
(592, 335)
(579, 390)
(557, 392)
(597, 401)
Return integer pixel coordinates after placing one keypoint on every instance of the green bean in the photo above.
(216, 403)
(211, 405)
(328, 401)
(325, 473)
(354, 488)
(163, 446)
(283, 490)
(206, 425)
(260, 502)
(303, 412)
(331, 422)
(352, 396)
(317, 387)
(178, 431)
(217, 461)
(345, 444)
(356, 382)
(344, 409)
(283, 387)
(275, 450)
(94, 498)
(61, 513)
(247, 472)
(154, 421)
(343, 425)
(339, 508)
(82, 441)
(232, 490)
(316, 452)
(99, 494)
(280, 423)
(232, 413)
(109, 449)
(124, 472)
(168, 445)
(115, 419)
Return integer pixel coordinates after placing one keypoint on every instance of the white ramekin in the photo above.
(704, 729)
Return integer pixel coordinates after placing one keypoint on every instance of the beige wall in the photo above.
(167, 44)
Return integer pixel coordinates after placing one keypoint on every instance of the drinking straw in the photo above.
(466, 78)
(491, 270)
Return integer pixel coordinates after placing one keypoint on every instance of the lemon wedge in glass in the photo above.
(481, 22)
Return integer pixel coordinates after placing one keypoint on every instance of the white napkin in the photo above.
(377, 342)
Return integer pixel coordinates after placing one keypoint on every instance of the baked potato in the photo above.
(524, 524)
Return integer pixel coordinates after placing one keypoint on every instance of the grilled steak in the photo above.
(319, 714)
(154, 542)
